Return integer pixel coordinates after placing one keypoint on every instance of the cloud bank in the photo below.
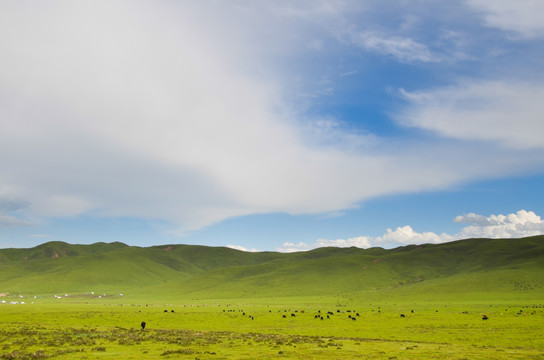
(521, 224)
(192, 112)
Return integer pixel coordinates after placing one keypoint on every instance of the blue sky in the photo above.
(261, 125)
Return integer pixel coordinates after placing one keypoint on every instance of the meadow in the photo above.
(281, 328)
(66, 301)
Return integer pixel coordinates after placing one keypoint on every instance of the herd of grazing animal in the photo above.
(316, 316)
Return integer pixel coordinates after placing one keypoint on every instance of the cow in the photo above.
(402, 315)
(484, 317)
(143, 325)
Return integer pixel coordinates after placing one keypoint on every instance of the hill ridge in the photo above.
(179, 270)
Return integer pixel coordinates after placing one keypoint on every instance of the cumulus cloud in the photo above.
(521, 224)
(403, 235)
(406, 235)
(242, 248)
(358, 241)
(295, 247)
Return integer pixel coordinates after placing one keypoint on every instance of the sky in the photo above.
(270, 125)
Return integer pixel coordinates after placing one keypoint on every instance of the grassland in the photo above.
(259, 330)
(218, 303)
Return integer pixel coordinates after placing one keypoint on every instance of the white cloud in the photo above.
(151, 115)
(401, 48)
(349, 73)
(292, 247)
(503, 111)
(474, 219)
(359, 241)
(177, 111)
(242, 248)
(522, 16)
(521, 224)
(406, 235)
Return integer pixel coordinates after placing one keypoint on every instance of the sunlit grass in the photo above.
(226, 330)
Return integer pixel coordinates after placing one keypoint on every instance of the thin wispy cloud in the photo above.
(7, 220)
(480, 110)
(400, 48)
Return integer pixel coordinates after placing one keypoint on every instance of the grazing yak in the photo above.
(143, 325)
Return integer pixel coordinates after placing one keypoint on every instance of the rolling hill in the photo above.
(473, 268)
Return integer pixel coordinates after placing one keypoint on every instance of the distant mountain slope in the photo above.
(187, 271)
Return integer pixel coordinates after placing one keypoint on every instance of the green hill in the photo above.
(474, 268)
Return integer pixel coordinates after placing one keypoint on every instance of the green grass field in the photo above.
(89, 328)
(218, 303)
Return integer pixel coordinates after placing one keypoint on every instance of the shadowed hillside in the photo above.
(512, 267)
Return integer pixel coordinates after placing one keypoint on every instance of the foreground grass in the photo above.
(259, 330)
